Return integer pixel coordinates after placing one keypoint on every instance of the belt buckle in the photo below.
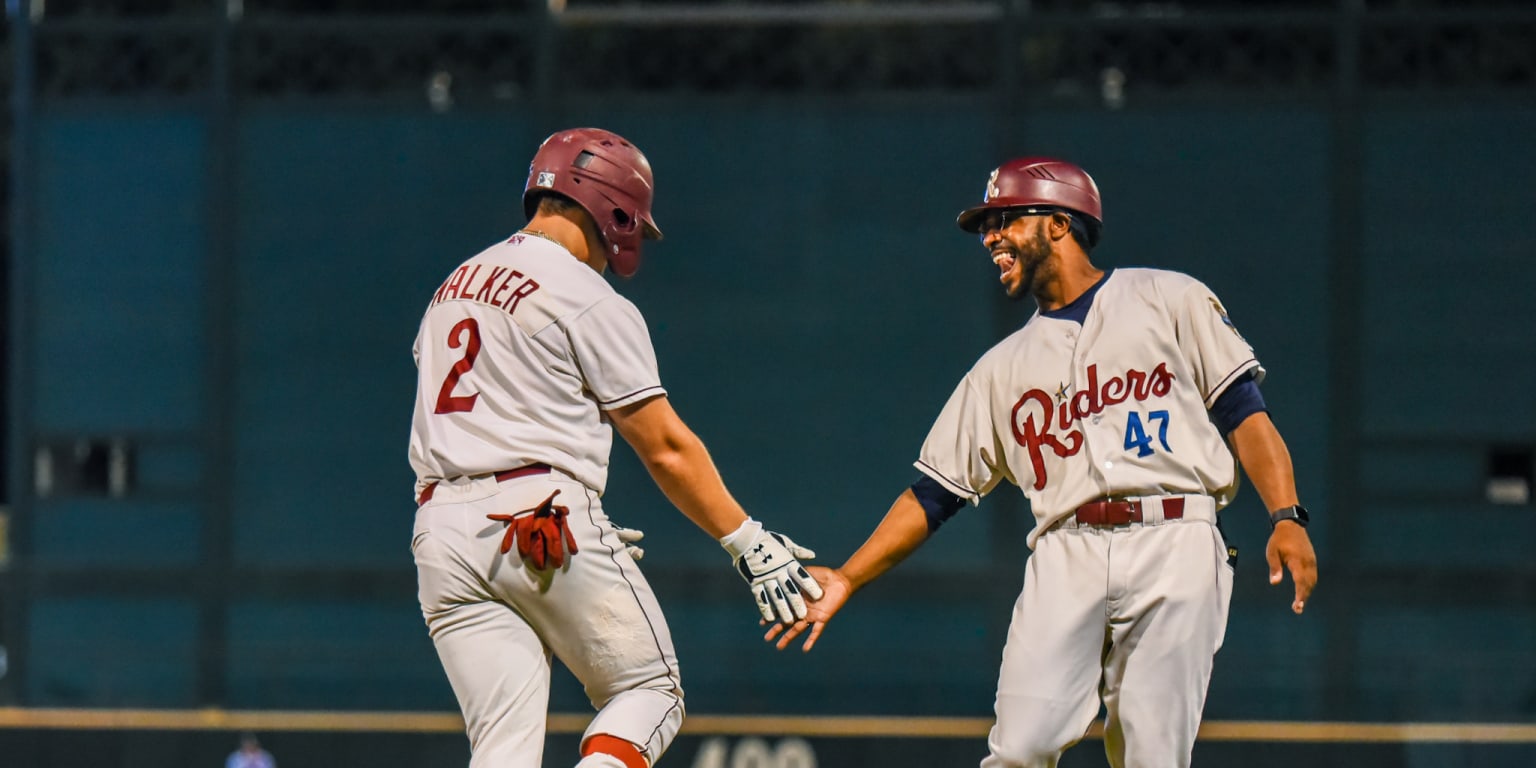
(1133, 512)
(1119, 511)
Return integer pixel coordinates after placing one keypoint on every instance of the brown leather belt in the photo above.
(1105, 512)
(501, 477)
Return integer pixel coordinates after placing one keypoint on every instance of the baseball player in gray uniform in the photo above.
(1122, 408)
(526, 355)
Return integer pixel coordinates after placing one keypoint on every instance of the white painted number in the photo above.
(711, 754)
(717, 752)
(795, 753)
(751, 753)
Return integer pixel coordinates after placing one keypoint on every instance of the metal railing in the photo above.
(1105, 53)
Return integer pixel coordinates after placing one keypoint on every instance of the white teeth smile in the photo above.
(1003, 261)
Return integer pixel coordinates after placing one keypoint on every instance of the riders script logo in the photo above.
(1038, 421)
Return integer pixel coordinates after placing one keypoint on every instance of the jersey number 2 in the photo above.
(1136, 436)
(446, 401)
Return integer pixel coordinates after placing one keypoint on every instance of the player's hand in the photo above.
(1289, 546)
(770, 563)
(835, 592)
(631, 539)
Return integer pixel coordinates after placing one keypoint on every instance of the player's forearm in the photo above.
(687, 475)
(679, 463)
(903, 530)
(1266, 460)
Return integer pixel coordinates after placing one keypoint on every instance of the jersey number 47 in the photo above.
(1137, 436)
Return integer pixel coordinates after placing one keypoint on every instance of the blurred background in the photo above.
(225, 217)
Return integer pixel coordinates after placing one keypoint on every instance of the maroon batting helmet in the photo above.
(1031, 181)
(605, 175)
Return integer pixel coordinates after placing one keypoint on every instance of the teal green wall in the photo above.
(812, 306)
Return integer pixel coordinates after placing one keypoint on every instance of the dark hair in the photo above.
(1085, 230)
(556, 203)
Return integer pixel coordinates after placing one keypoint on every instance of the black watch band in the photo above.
(1297, 513)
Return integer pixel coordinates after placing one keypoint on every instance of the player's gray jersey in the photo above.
(520, 351)
(1114, 407)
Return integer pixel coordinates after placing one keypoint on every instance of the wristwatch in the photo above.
(1297, 513)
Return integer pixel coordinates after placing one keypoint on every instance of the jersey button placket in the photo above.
(1097, 467)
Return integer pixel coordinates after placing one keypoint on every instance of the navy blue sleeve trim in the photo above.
(938, 503)
(1239, 401)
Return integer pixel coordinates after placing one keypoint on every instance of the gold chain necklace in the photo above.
(540, 233)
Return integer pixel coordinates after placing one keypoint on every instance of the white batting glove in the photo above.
(770, 562)
(631, 538)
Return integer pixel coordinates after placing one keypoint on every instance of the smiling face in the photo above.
(1020, 247)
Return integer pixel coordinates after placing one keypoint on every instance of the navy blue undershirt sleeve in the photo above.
(1240, 400)
(938, 503)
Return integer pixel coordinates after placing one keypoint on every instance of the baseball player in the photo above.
(526, 355)
(1122, 408)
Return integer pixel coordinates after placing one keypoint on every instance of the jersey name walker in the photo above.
(520, 350)
(1116, 406)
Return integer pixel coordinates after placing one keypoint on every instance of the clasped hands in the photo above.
(770, 564)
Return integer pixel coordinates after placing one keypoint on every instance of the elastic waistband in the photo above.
(501, 477)
(1141, 510)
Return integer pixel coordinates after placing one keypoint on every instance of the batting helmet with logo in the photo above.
(608, 177)
(1034, 181)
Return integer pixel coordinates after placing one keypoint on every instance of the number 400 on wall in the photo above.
(751, 752)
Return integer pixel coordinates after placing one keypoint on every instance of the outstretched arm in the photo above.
(1267, 462)
(679, 463)
(903, 530)
(682, 468)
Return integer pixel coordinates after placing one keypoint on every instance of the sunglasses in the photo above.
(1000, 219)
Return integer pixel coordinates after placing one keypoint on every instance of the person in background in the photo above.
(250, 754)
